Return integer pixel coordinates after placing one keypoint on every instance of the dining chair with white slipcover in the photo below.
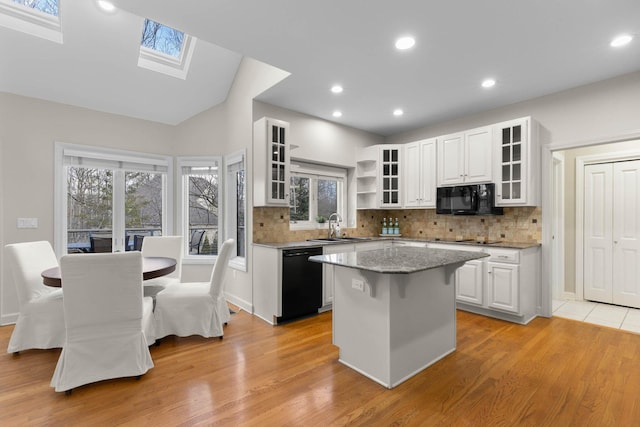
(164, 246)
(196, 308)
(105, 314)
(40, 323)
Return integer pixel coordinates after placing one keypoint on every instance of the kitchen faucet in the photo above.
(338, 218)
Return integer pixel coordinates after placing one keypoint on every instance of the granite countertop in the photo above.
(402, 260)
(316, 243)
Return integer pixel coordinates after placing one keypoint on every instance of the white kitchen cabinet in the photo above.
(379, 177)
(367, 178)
(470, 277)
(506, 285)
(465, 157)
(403, 243)
(503, 286)
(517, 162)
(271, 162)
(390, 176)
(420, 174)
(469, 282)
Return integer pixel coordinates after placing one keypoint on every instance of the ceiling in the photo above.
(531, 48)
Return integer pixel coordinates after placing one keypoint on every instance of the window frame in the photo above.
(110, 155)
(230, 204)
(183, 198)
(316, 172)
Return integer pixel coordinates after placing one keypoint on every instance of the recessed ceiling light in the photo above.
(336, 89)
(106, 5)
(398, 112)
(621, 40)
(487, 83)
(404, 43)
(337, 114)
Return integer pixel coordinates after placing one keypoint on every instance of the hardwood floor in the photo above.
(553, 372)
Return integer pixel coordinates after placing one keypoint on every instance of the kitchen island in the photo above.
(394, 309)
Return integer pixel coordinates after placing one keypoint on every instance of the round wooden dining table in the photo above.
(152, 267)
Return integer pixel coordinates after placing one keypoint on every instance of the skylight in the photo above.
(46, 6)
(165, 49)
(36, 17)
(162, 38)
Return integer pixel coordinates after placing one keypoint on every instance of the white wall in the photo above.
(253, 77)
(571, 117)
(318, 140)
(28, 130)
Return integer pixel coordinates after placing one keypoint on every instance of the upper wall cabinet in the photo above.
(271, 162)
(517, 163)
(465, 157)
(378, 173)
(420, 174)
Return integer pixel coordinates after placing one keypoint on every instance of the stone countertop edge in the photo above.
(402, 260)
(307, 244)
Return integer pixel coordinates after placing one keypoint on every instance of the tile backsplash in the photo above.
(523, 224)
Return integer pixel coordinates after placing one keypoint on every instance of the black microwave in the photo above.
(475, 199)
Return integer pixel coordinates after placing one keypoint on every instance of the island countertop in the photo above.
(400, 260)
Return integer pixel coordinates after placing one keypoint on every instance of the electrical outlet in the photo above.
(357, 284)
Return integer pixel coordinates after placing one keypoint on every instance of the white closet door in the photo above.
(626, 233)
(598, 232)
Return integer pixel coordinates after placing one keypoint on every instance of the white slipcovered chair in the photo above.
(196, 308)
(104, 316)
(40, 323)
(162, 246)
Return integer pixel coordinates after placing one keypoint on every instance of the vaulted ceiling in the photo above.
(530, 48)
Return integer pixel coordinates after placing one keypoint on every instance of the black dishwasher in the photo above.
(301, 283)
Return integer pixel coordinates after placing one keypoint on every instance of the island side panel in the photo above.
(423, 321)
(361, 322)
(397, 325)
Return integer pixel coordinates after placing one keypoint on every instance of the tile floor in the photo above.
(613, 316)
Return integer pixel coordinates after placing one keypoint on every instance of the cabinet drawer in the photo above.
(454, 247)
(511, 256)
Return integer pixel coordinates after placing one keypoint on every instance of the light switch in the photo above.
(27, 222)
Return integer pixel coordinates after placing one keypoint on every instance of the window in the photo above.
(46, 6)
(36, 17)
(108, 200)
(235, 203)
(200, 200)
(165, 50)
(315, 193)
(161, 38)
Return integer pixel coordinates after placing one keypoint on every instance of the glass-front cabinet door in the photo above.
(390, 173)
(511, 187)
(271, 157)
(279, 162)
